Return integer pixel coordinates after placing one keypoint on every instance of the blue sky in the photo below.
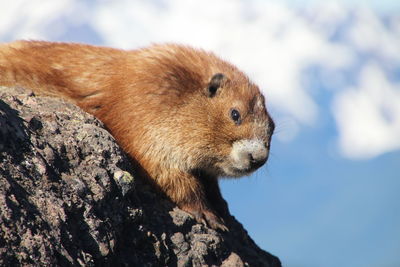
(321, 212)
(329, 195)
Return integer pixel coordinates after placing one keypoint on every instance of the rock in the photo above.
(69, 196)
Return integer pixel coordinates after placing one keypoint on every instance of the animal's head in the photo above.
(241, 127)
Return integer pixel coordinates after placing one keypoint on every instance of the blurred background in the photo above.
(330, 70)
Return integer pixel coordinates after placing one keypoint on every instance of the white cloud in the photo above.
(369, 34)
(21, 19)
(368, 117)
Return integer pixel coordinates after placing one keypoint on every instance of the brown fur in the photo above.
(156, 103)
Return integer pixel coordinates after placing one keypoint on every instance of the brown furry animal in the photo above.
(185, 116)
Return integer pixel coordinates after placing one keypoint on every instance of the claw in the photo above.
(207, 218)
(214, 221)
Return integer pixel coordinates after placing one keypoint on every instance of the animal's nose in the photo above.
(258, 157)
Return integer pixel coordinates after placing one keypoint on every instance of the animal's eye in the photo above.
(235, 115)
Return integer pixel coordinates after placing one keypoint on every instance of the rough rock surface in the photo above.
(69, 197)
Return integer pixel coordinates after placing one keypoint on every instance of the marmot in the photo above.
(185, 116)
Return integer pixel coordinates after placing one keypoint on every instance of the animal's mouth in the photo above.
(245, 171)
(246, 156)
(238, 170)
(241, 172)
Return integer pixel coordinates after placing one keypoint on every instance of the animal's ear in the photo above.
(215, 83)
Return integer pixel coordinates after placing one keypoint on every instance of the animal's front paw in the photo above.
(206, 217)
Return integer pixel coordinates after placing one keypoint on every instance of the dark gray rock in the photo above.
(69, 196)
